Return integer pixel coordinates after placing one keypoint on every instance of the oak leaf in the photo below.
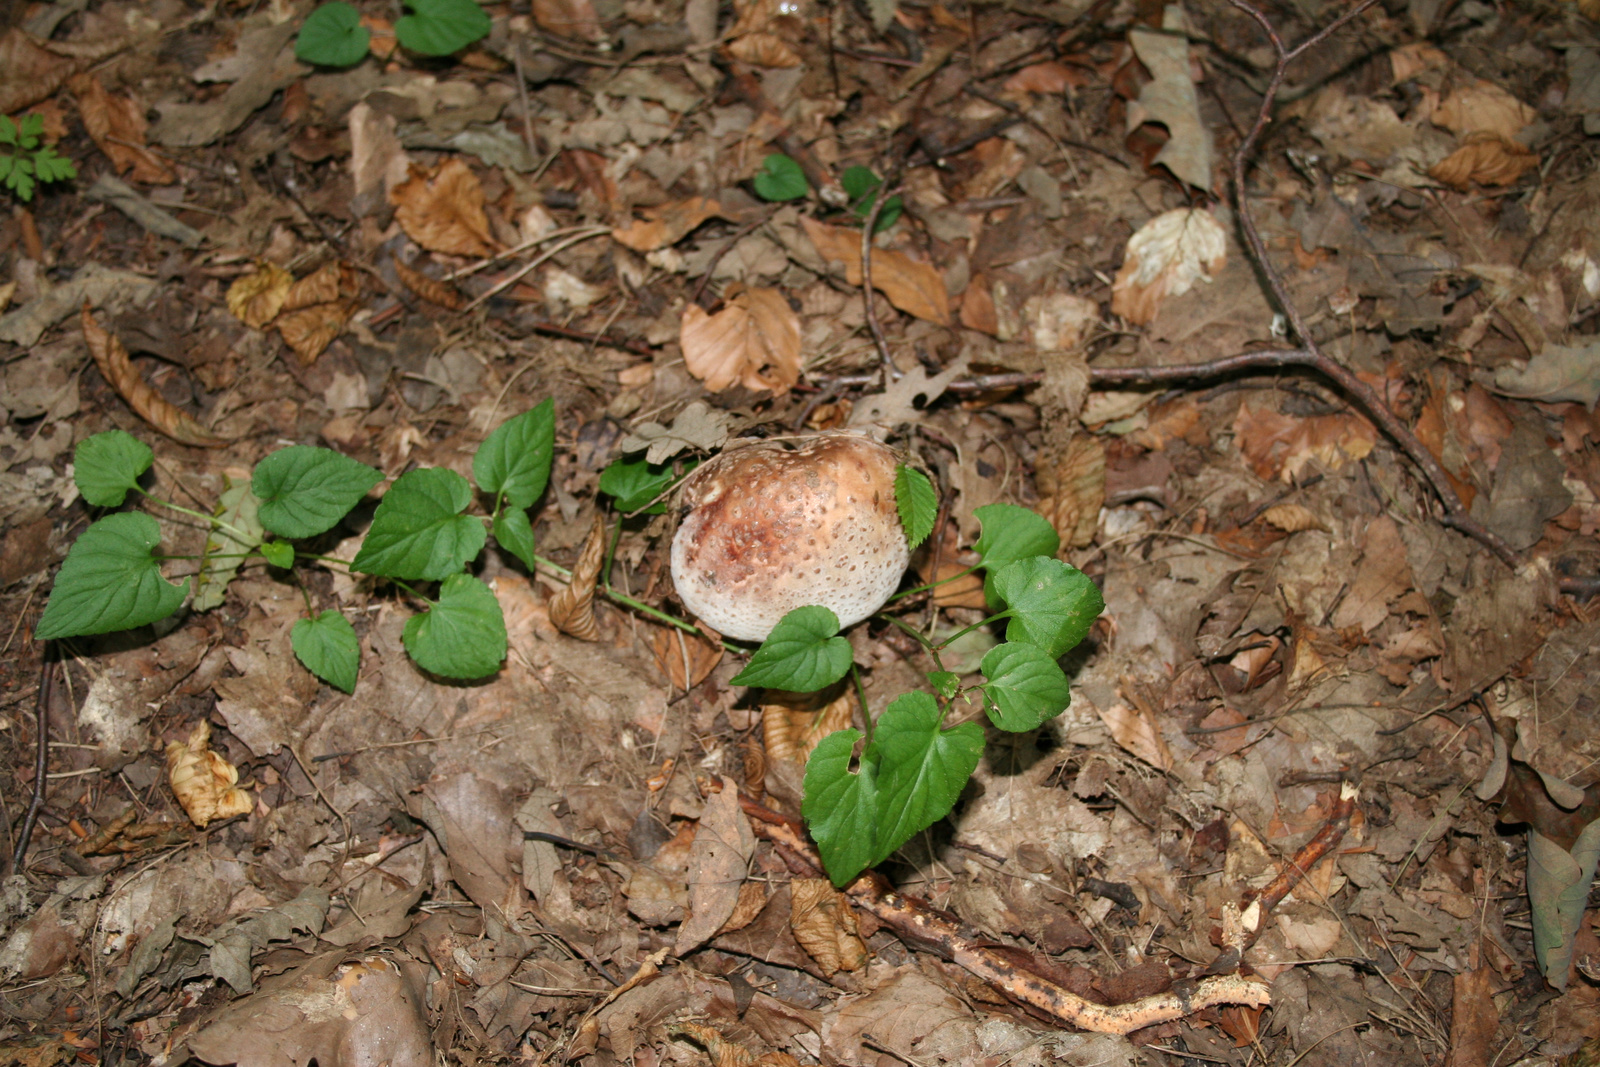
(205, 783)
(117, 368)
(117, 125)
(442, 210)
(1165, 258)
(754, 340)
(911, 285)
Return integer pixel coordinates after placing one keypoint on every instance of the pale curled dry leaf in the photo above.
(754, 340)
(1485, 160)
(311, 330)
(1281, 446)
(442, 210)
(430, 289)
(718, 860)
(752, 899)
(667, 224)
(911, 285)
(790, 733)
(256, 298)
(117, 125)
(1137, 734)
(1071, 478)
(1292, 518)
(572, 609)
(825, 925)
(1165, 258)
(112, 359)
(205, 783)
(320, 287)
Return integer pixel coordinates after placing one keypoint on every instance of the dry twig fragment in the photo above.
(572, 609)
(754, 340)
(112, 359)
(1165, 258)
(205, 783)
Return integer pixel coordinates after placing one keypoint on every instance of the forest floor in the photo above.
(1379, 574)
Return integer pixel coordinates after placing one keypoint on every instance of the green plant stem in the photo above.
(637, 605)
(935, 585)
(861, 695)
(426, 600)
(959, 634)
(209, 520)
(927, 646)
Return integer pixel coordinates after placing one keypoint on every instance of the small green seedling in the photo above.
(780, 178)
(332, 35)
(25, 161)
(861, 186)
(421, 532)
(863, 802)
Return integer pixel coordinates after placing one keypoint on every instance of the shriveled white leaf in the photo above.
(1165, 258)
(698, 425)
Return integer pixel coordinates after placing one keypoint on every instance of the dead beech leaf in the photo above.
(1486, 160)
(311, 330)
(1072, 488)
(321, 287)
(718, 860)
(725, 1052)
(1049, 77)
(794, 733)
(1137, 735)
(763, 50)
(1281, 446)
(1483, 107)
(442, 210)
(430, 289)
(112, 359)
(752, 899)
(754, 340)
(31, 71)
(117, 125)
(256, 298)
(1292, 518)
(1165, 258)
(762, 31)
(572, 609)
(686, 659)
(911, 285)
(205, 783)
(667, 224)
(568, 18)
(825, 925)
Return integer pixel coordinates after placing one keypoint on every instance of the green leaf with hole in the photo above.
(107, 465)
(332, 36)
(419, 530)
(1025, 686)
(840, 806)
(917, 502)
(802, 654)
(1051, 604)
(515, 459)
(633, 483)
(328, 646)
(780, 178)
(110, 581)
(946, 683)
(226, 549)
(305, 491)
(463, 635)
(440, 27)
(1011, 533)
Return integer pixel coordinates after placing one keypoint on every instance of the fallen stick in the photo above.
(924, 926)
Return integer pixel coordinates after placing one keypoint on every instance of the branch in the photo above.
(41, 758)
(925, 926)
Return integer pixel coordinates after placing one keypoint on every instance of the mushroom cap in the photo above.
(788, 522)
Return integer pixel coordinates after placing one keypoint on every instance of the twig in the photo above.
(634, 345)
(738, 235)
(1310, 854)
(41, 756)
(925, 926)
(517, 275)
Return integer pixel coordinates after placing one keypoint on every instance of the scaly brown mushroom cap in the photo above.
(785, 523)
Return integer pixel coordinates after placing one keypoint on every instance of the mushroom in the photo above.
(790, 521)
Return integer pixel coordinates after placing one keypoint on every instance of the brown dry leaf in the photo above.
(1407, 61)
(31, 71)
(727, 1053)
(1474, 1019)
(666, 224)
(112, 359)
(442, 210)
(1001, 161)
(754, 340)
(1292, 518)
(825, 925)
(256, 298)
(1383, 576)
(205, 783)
(117, 125)
(793, 733)
(686, 659)
(1072, 488)
(1045, 78)
(762, 32)
(1485, 159)
(430, 289)
(718, 860)
(572, 609)
(1281, 446)
(321, 287)
(911, 285)
(1483, 107)
(568, 18)
(1165, 258)
(1137, 734)
(752, 898)
(310, 330)
(763, 50)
